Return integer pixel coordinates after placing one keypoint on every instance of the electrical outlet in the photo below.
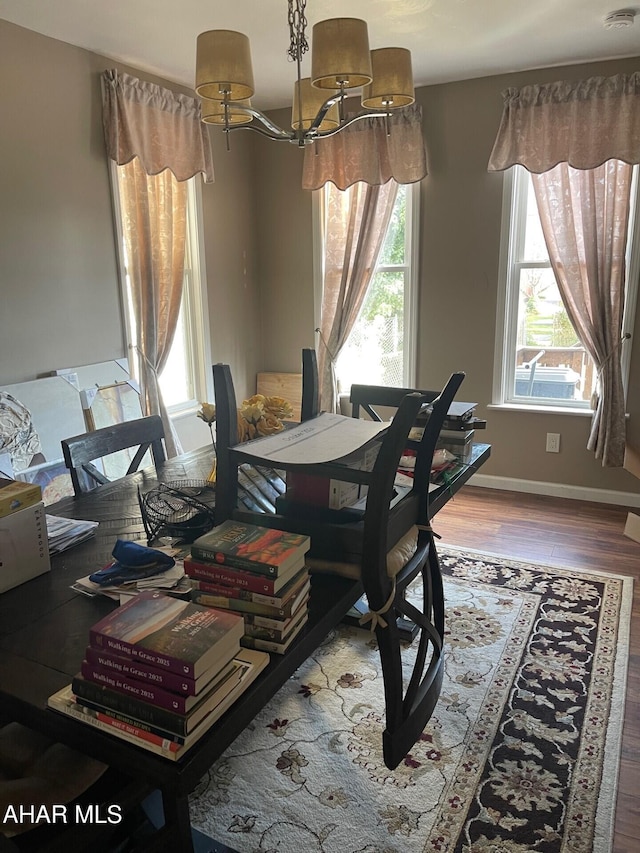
(553, 442)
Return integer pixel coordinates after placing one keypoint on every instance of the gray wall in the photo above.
(60, 296)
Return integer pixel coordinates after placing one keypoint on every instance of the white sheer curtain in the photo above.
(356, 224)
(579, 141)
(158, 142)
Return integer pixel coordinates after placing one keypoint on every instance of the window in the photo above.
(381, 347)
(539, 359)
(185, 379)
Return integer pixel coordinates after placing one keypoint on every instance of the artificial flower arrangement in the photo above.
(257, 416)
(260, 415)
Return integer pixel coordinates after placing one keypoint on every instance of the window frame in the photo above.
(410, 268)
(194, 299)
(511, 262)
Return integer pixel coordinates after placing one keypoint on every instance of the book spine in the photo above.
(160, 661)
(136, 734)
(228, 591)
(238, 605)
(263, 645)
(129, 733)
(224, 574)
(255, 632)
(143, 691)
(131, 669)
(130, 705)
(163, 734)
(253, 620)
(201, 552)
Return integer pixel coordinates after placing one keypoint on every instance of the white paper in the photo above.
(326, 438)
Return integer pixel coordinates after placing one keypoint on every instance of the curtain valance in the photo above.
(161, 128)
(581, 123)
(363, 152)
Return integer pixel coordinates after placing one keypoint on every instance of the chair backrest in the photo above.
(310, 385)
(81, 451)
(226, 437)
(366, 397)
(436, 403)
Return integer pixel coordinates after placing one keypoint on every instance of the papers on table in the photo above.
(327, 438)
(65, 532)
(173, 579)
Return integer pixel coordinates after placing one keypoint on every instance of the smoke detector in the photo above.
(619, 20)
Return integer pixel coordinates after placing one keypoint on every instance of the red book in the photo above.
(234, 577)
(250, 547)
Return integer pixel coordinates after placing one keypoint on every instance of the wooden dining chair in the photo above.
(389, 565)
(388, 549)
(81, 451)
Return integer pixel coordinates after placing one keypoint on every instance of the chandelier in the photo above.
(340, 63)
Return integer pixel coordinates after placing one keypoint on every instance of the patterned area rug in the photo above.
(521, 753)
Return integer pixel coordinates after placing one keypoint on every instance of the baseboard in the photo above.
(556, 490)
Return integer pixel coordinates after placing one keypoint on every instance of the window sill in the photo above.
(183, 410)
(545, 410)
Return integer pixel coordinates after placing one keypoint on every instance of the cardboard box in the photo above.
(24, 546)
(321, 491)
(632, 527)
(16, 495)
(325, 492)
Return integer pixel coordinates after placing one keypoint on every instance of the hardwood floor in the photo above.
(572, 533)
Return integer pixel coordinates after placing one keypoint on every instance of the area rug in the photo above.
(521, 753)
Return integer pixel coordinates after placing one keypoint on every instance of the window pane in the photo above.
(393, 249)
(175, 380)
(373, 354)
(535, 248)
(550, 362)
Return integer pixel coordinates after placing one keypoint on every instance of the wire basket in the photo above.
(184, 510)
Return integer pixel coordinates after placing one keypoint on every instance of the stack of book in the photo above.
(158, 672)
(257, 572)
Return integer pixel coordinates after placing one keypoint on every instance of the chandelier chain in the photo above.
(297, 30)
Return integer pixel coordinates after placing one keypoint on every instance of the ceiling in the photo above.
(449, 39)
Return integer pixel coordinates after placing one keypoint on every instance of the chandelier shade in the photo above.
(307, 102)
(223, 66)
(340, 57)
(392, 83)
(218, 112)
(340, 61)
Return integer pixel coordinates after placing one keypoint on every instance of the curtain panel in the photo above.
(158, 142)
(584, 215)
(580, 123)
(356, 225)
(154, 224)
(365, 152)
(579, 141)
(162, 128)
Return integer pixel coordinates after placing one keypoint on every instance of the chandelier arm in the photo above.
(277, 137)
(271, 130)
(274, 131)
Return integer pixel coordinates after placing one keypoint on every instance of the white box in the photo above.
(24, 546)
